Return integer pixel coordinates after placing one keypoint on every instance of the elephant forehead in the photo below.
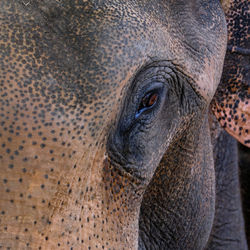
(126, 35)
(93, 46)
(130, 34)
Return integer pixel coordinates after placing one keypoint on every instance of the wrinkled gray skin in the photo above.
(228, 229)
(105, 135)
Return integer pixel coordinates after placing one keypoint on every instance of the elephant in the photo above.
(114, 123)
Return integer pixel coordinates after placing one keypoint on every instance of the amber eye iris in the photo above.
(147, 102)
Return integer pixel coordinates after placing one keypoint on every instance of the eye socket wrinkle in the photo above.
(169, 83)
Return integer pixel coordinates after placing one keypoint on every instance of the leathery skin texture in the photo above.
(103, 109)
(231, 103)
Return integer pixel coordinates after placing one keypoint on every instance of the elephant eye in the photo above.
(147, 102)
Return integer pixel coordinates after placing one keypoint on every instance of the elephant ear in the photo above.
(231, 103)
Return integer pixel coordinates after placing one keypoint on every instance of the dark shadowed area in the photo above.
(244, 164)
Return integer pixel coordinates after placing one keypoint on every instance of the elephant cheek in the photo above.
(110, 207)
(81, 205)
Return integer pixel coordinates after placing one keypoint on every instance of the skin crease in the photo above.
(66, 71)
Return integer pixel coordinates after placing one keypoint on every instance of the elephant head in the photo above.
(104, 117)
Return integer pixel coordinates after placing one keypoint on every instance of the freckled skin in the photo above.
(78, 171)
(231, 104)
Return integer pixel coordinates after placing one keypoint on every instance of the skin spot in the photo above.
(11, 166)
